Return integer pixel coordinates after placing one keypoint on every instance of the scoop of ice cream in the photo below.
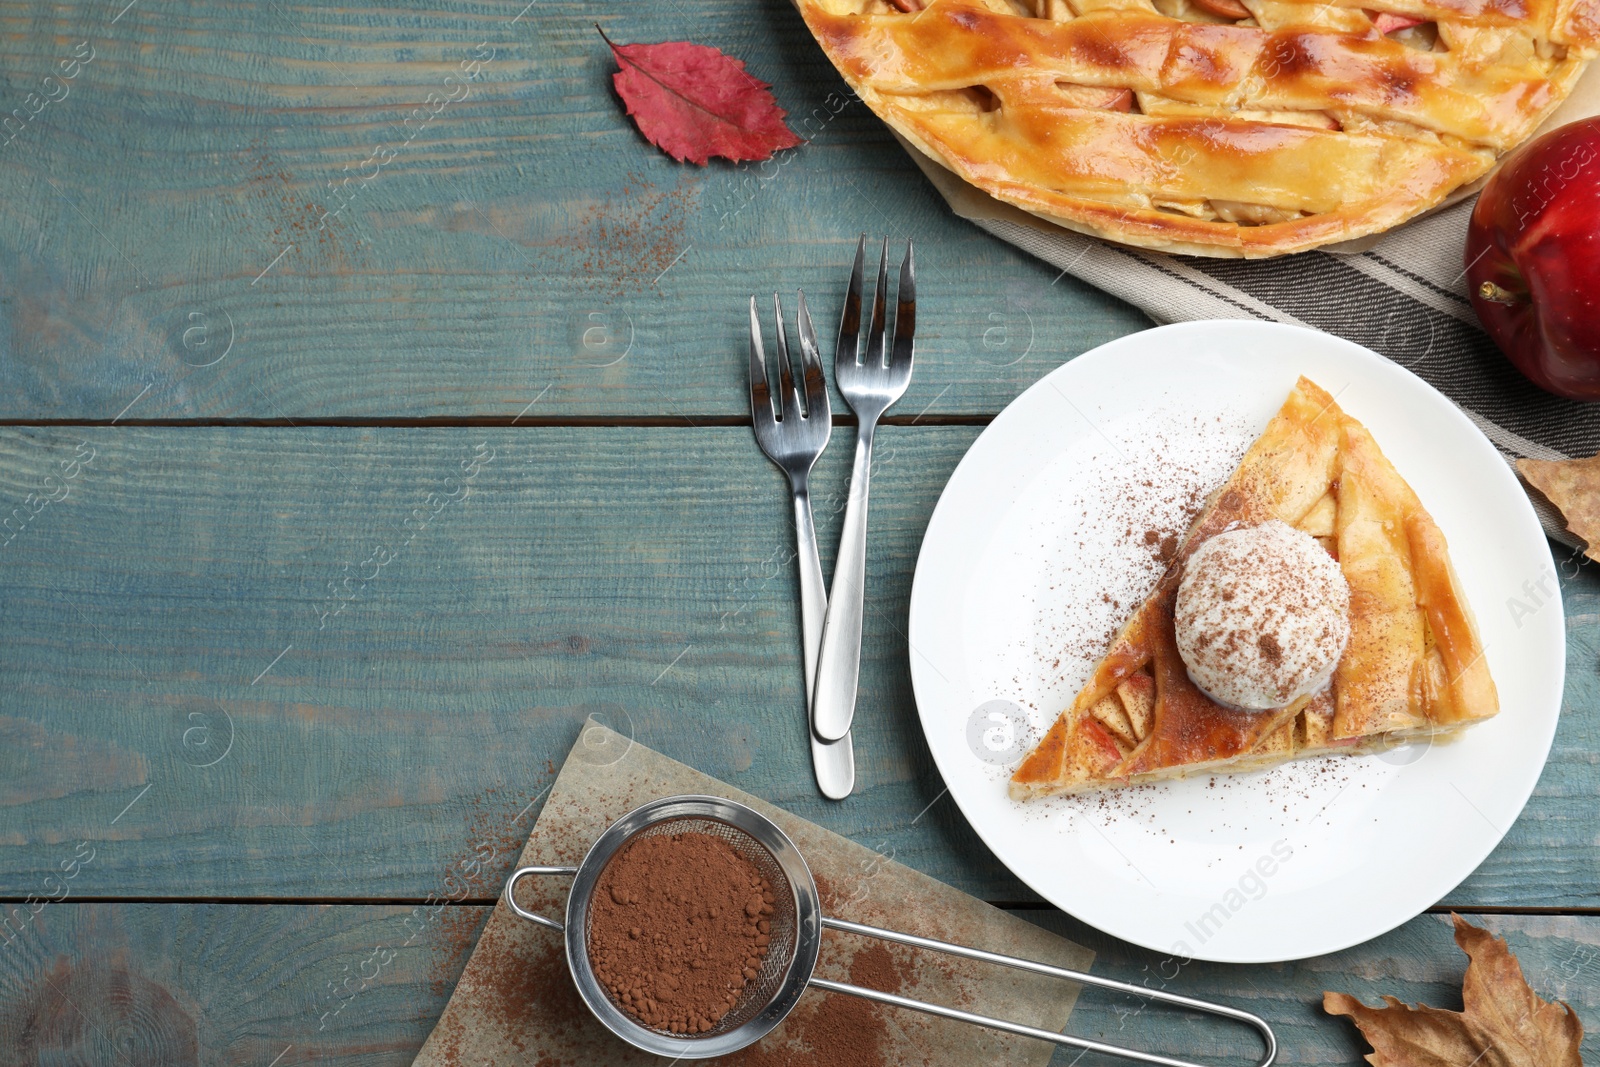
(1262, 616)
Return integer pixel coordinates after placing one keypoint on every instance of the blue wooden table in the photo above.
(368, 424)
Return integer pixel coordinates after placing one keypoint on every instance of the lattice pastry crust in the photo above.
(1414, 666)
(1213, 127)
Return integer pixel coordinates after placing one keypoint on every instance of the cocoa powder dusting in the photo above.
(493, 836)
(525, 995)
(834, 1030)
(626, 242)
(845, 1032)
(874, 968)
(678, 927)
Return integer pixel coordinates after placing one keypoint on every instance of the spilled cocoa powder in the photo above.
(678, 926)
(524, 993)
(835, 1030)
(626, 242)
(493, 834)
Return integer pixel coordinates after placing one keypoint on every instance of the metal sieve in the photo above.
(795, 939)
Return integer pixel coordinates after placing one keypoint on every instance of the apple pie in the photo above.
(1212, 127)
(1408, 662)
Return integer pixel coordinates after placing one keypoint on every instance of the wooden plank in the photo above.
(246, 216)
(210, 672)
(181, 985)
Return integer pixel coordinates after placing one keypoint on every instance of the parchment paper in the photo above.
(515, 1004)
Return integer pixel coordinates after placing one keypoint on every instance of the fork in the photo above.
(793, 438)
(869, 386)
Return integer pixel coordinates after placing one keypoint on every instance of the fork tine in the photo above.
(905, 312)
(760, 392)
(811, 363)
(788, 397)
(850, 321)
(879, 327)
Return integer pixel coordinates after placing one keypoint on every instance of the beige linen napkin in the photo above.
(515, 1003)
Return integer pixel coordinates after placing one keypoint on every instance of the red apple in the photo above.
(1533, 260)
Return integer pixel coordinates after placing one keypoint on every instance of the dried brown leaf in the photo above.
(1573, 485)
(1408, 1037)
(1504, 1022)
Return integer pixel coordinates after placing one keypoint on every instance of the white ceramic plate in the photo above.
(1036, 553)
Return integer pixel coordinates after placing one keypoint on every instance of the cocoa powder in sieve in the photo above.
(678, 926)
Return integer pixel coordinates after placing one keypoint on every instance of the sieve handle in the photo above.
(533, 916)
(1254, 1021)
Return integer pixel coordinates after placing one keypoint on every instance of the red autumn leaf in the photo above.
(693, 102)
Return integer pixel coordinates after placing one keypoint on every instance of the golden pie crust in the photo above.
(1174, 125)
(1414, 667)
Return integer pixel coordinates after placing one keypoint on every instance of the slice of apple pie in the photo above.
(1310, 609)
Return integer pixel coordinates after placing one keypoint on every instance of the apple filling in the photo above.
(1121, 719)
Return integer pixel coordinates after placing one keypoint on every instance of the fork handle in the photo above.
(839, 661)
(833, 762)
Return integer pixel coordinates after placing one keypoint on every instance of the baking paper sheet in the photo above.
(515, 1003)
